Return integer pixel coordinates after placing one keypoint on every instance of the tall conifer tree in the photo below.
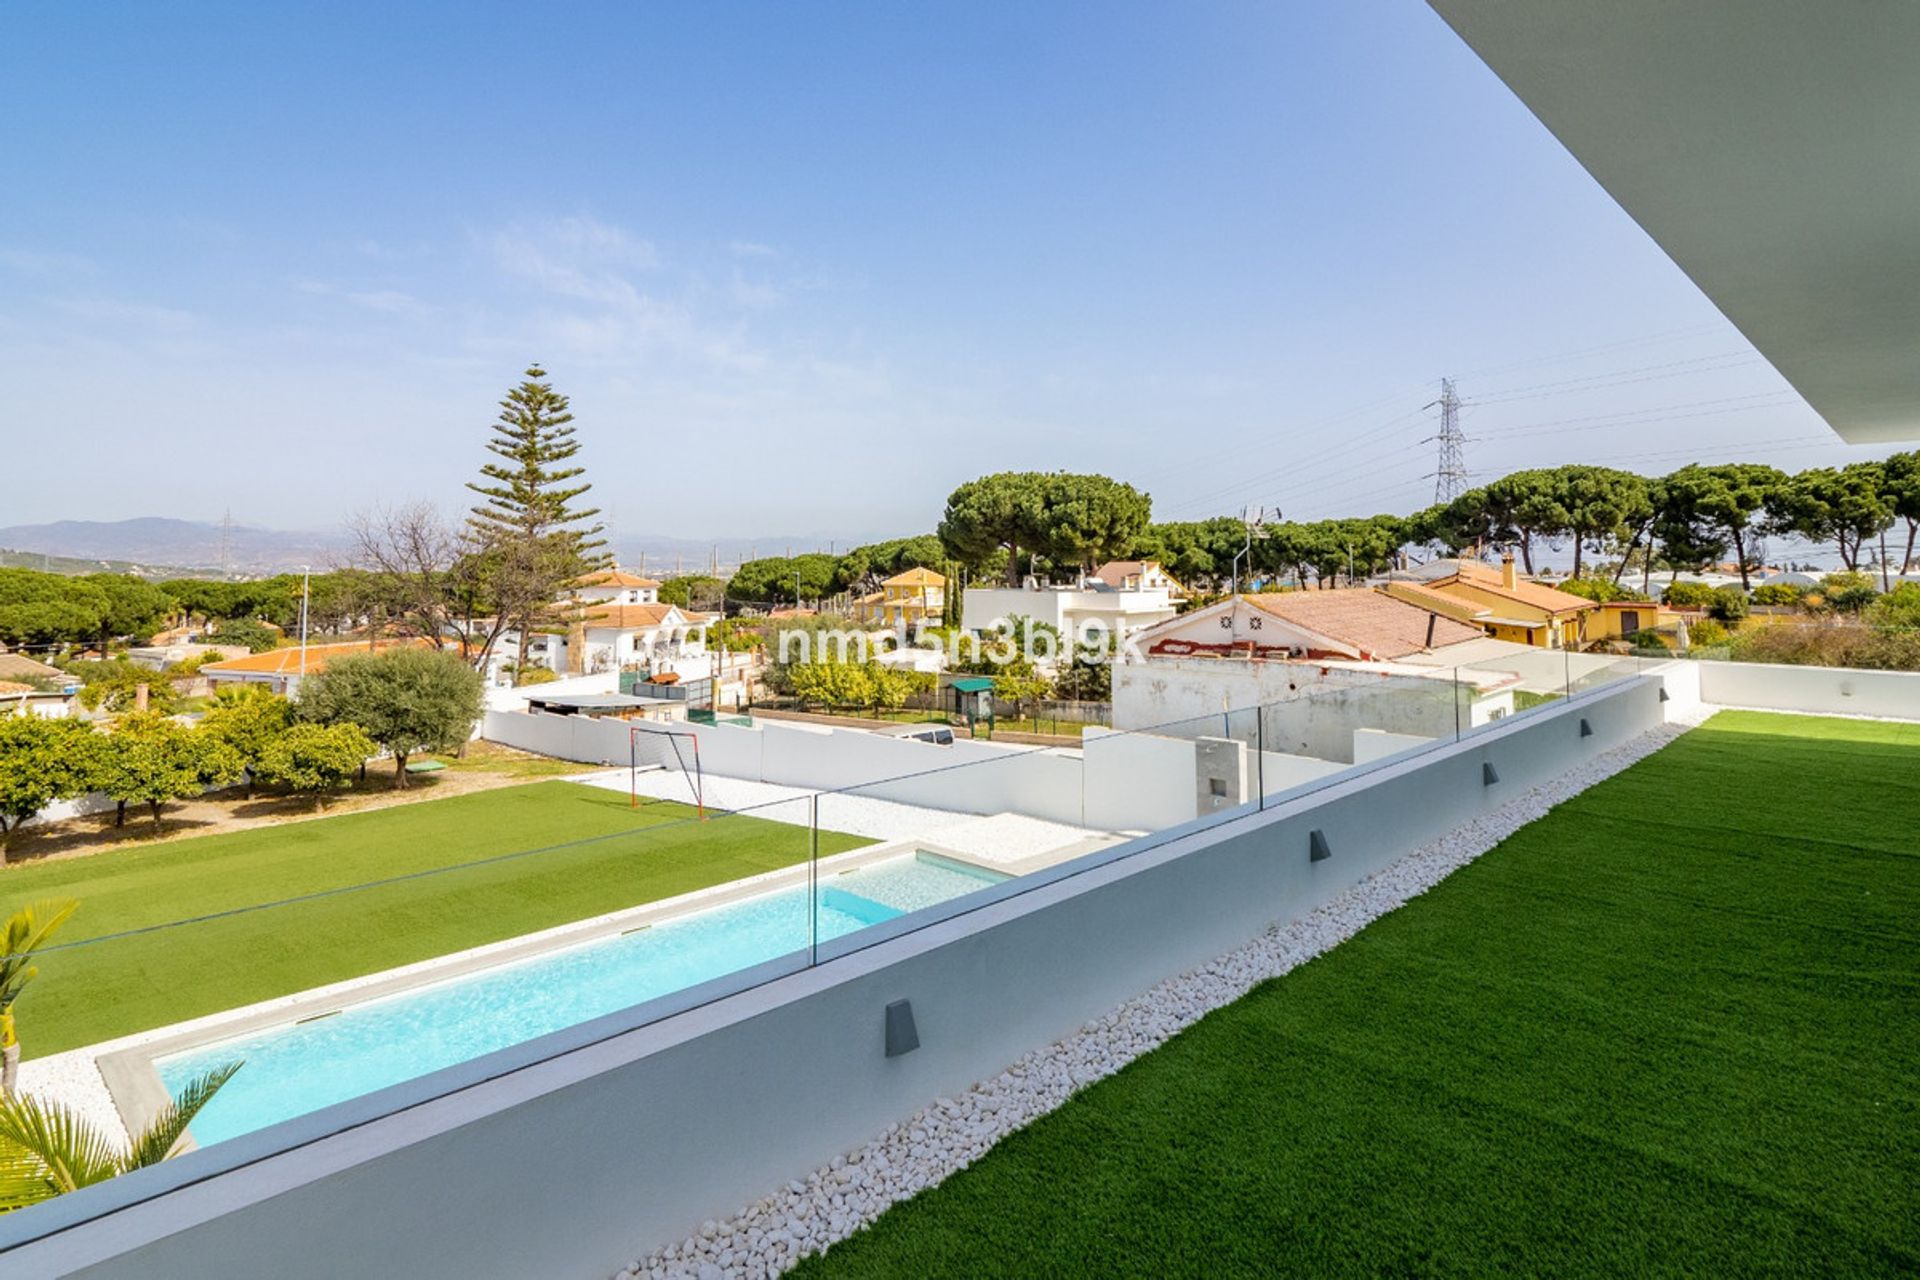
(540, 541)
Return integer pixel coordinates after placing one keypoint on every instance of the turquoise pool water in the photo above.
(291, 1070)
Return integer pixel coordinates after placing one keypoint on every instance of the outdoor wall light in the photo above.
(902, 1036)
(1586, 728)
(1318, 850)
(1664, 695)
(1488, 774)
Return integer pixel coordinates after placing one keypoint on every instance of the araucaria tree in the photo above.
(538, 540)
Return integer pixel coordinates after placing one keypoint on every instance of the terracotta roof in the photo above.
(627, 617)
(1438, 601)
(616, 578)
(1371, 621)
(1116, 572)
(285, 661)
(15, 665)
(1483, 578)
(14, 686)
(919, 576)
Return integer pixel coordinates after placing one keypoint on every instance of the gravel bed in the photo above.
(804, 1217)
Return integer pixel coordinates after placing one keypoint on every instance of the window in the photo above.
(1629, 622)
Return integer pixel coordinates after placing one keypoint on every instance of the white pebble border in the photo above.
(804, 1217)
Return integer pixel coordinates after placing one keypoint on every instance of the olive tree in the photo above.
(406, 700)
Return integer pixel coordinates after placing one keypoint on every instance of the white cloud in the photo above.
(751, 249)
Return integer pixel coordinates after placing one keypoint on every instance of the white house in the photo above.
(1120, 597)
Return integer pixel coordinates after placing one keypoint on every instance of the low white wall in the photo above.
(1377, 744)
(1138, 781)
(1827, 690)
(966, 776)
(639, 1132)
(1280, 771)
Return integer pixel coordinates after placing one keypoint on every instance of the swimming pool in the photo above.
(293, 1069)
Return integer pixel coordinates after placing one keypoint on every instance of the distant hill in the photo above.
(155, 546)
(150, 542)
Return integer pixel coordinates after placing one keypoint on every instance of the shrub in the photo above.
(1847, 592)
(1707, 634)
(1688, 595)
(1775, 594)
(1729, 604)
(1898, 609)
(1830, 644)
(536, 675)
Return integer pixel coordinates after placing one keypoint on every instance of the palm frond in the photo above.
(164, 1134)
(23, 1178)
(69, 1150)
(25, 932)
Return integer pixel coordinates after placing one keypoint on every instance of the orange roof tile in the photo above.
(918, 576)
(1438, 601)
(1483, 578)
(286, 661)
(616, 578)
(627, 617)
(1371, 621)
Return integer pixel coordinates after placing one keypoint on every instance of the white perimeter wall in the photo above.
(634, 1136)
(1308, 710)
(1827, 690)
(1038, 781)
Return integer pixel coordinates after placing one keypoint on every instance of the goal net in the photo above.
(672, 759)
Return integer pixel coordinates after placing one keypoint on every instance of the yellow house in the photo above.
(1624, 619)
(1505, 605)
(913, 597)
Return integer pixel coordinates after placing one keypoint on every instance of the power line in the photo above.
(1618, 378)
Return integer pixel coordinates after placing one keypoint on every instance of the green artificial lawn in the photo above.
(115, 986)
(1673, 1027)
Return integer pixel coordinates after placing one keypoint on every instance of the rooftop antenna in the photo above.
(1255, 520)
(1450, 474)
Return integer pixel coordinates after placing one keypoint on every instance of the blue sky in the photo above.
(803, 268)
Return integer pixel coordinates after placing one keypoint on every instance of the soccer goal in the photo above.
(675, 752)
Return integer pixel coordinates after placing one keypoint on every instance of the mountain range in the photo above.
(157, 545)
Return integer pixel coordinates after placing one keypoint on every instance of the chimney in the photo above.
(1509, 577)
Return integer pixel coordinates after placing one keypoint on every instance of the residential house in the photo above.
(282, 669)
(35, 687)
(1500, 601)
(1354, 624)
(617, 586)
(1346, 675)
(1137, 575)
(908, 598)
(627, 637)
(1119, 598)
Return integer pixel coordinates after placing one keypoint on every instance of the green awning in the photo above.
(973, 684)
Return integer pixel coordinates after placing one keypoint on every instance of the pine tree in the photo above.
(538, 540)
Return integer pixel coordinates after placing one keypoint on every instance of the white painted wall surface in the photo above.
(641, 1127)
(1825, 690)
(1280, 772)
(1377, 744)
